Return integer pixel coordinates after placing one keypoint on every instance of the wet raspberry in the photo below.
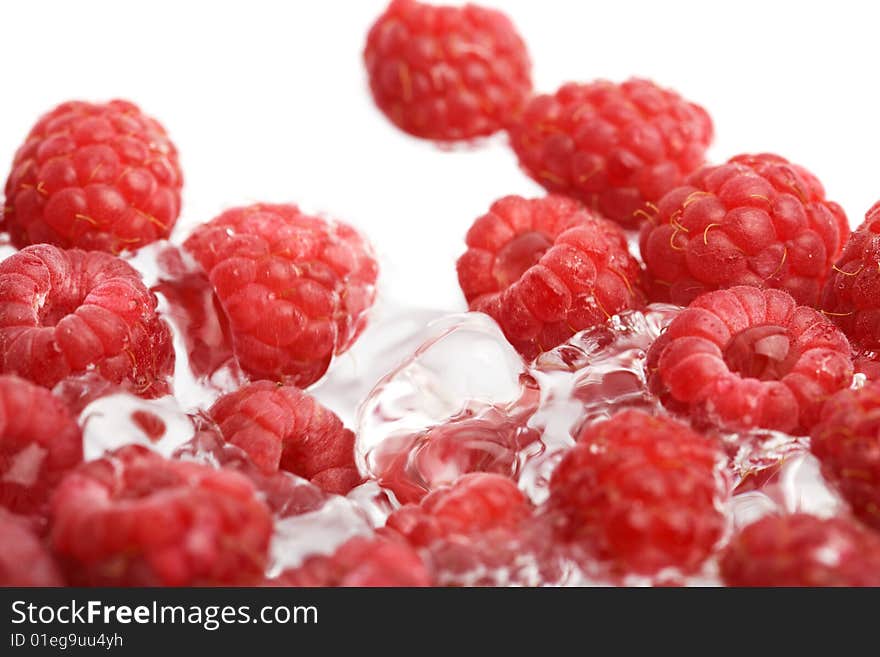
(545, 269)
(39, 442)
(802, 550)
(756, 220)
(641, 493)
(745, 357)
(24, 560)
(281, 427)
(134, 518)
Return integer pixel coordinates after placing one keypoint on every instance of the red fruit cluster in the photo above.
(447, 73)
(295, 288)
(756, 220)
(641, 493)
(847, 443)
(474, 504)
(363, 561)
(616, 147)
(93, 176)
(852, 292)
(282, 427)
(745, 357)
(67, 312)
(134, 518)
(802, 550)
(39, 442)
(545, 269)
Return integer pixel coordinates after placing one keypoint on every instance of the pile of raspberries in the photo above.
(779, 331)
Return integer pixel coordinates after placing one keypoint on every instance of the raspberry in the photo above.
(847, 443)
(296, 289)
(283, 427)
(616, 147)
(66, 313)
(474, 504)
(745, 358)
(545, 269)
(134, 518)
(361, 561)
(642, 493)
(756, 220)
(802, 550)
(24, 561)
(851, 297)
(39, 442)
(447, 73)
(94, 176)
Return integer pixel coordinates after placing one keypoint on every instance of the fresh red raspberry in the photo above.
(447, 73)
(847, 443)
(363, 561)
(67, 313)
(851, 297)
(282, 427)
(642, 493)
(616, 147)
(134, 518)
(545, 269)
(296, 288)
(745, 358)
(474, 504)
(756, 220)
(39, 442)
(94, 176)
(24, 560)
(802, 550)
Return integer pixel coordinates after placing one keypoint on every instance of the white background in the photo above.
(267, 101)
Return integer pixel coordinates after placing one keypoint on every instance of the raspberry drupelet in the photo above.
(475, 503)
(851, 297)
(642, 493)
(65, 313)
(39, 442)
(282, 427)
(802, 550)
(545, 269)
(447, 73)
(847, 443)
(96, 176)
(295, 288)
(756, 220)
(134, 518)
(616, 147)
(748, 358)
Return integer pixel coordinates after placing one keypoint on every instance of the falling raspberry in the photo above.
(24, 560)
(134, 518)
(642, 493)
(757, 220)
(474, 504)
(447, 73)
(94, 176)
(545, 269)
(39, 442)
(847, 443)
(744, 358)
(281, 427)
(361, 562)
(296, 289)
(70, 313)
(616, 147)
(802, 550)
(851, 297)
